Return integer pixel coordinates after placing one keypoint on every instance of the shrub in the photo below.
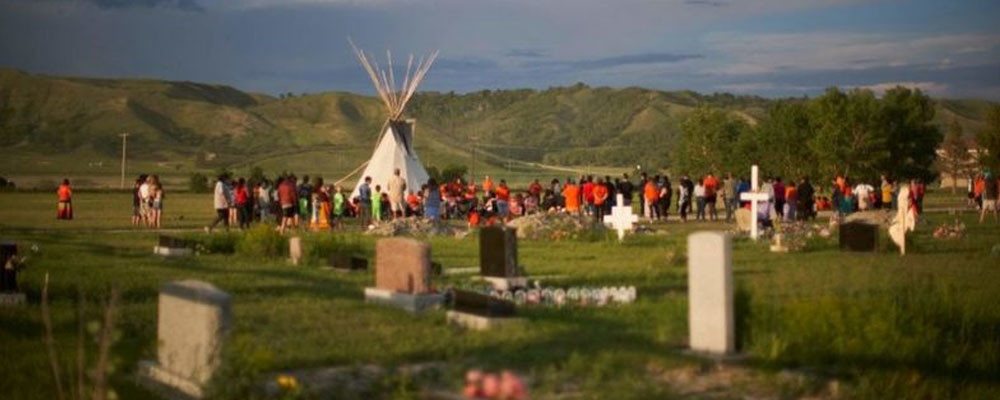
(329, 244)
(198, 183)
(262, 241)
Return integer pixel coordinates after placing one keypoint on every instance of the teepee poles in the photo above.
(394, 98)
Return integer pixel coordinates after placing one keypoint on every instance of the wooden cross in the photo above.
(621, 218)
(753, 196)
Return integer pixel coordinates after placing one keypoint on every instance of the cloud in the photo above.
(183, 5)
(527, 53)
(609, 62)
(772, 52)
(707, 3)
(463, 64)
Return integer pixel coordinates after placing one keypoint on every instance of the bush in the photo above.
(330, 244)
(198, 183)
(215, 244)
(262, 241)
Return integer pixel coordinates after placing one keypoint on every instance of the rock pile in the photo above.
(555, 226)
(413, 226)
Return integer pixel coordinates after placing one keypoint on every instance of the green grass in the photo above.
(921, 326)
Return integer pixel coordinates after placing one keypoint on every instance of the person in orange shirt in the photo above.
(650, 195)
(711, 185)
(487, 185)
(571, 196)
(65, 208)
(503, 200)
(600, 196)
(791, 201)
(977, 191)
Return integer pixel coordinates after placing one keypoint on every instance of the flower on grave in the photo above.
(287, 382)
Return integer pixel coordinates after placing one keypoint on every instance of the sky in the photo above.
(949, 48)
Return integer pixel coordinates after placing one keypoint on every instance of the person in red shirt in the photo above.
(64, 210)
(600, 193)
(711, 185)
(588, 194)
(286, 197)
(650, 196)
(535, 190)
(241, 196)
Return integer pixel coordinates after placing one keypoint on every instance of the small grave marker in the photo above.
(169, 246)
(295, 250)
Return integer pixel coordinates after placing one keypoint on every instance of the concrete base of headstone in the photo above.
(479, 322)
(413, 303)
(461, 271)
(172, 251)
(12, 299)
(501, 283)
(779, 248)
(165, 382)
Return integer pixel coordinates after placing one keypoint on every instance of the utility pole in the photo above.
(124, 146)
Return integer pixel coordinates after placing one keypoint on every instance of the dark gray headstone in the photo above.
(859, 236)
(347, 262)
(480, 304)
(498, 252)
(8, 267)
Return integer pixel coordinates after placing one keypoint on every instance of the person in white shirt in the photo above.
(699, 198)
(395, 189)
(145, 200)
(221, 200)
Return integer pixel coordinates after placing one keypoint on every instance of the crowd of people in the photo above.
(292, 203)
(147, 202)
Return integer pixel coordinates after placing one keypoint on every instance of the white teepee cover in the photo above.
(395, 150)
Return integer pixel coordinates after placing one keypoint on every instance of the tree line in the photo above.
(854, 133)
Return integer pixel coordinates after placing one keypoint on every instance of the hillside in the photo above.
(59, 125)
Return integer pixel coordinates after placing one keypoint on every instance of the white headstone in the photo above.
(621, 218)
(710, 293)
(295, 250)
(193, 319)
(753, 196)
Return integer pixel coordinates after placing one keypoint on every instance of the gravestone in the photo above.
(480, 312)
(477, 311)
(10, 294)
(778, 245)
(710, 293)
(498, 258)
(621, 218)
(193, 319)
(295, 250)
(169, 246)
(859, 236)
(403, 275)
(347, 262)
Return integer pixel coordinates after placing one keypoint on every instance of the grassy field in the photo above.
(817, 323)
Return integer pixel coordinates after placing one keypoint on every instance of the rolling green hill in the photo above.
(58, 126)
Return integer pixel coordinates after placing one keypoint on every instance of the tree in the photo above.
(780, 141)
(956, 153)
(848, 138)
(912, 141)
(708, 142)
(988, 141)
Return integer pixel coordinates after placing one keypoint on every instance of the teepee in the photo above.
(395, 145)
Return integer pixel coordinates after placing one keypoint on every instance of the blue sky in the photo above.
(767, 47)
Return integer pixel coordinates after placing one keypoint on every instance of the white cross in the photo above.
(753, 196)
(621, 218)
